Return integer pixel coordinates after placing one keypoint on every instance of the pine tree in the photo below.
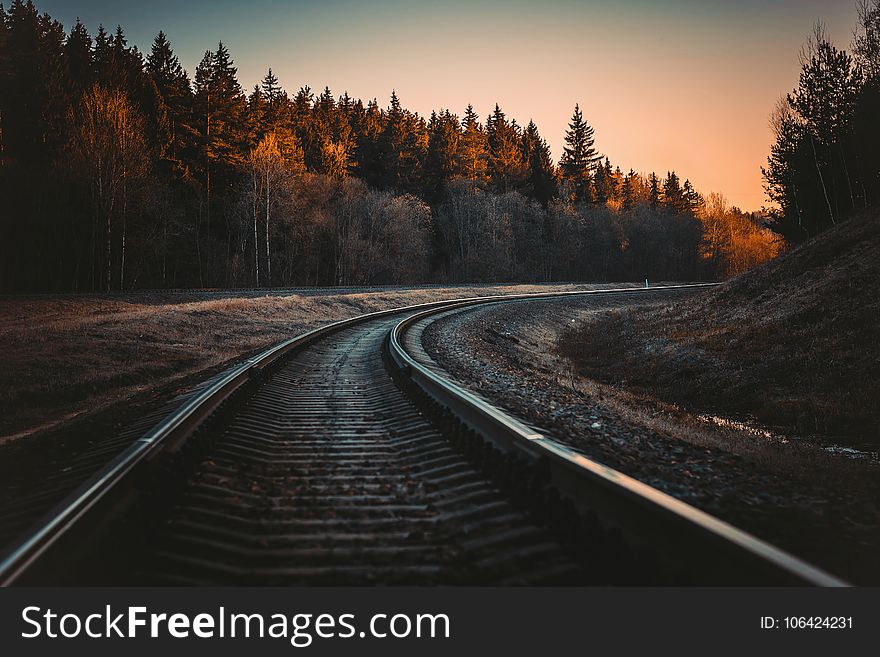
(271, 90)
(271, 112)
(339, 145)
(78, 59)
(440, 165)
(825, 100)
(402, 146)
(654, 191)
(369, 150)
(331, 138)
(203, 102)
(827, 90)
(306, 128)
(35, 98)
(506, 166)
(102, 56)
(325, 105)
(258, 115)
(227, 135)
(54, 83)
(603, 183)
(693, 200)
(616, 184)
(579, 157)
(173, 86)
(628, 192)
(788, 165)
(473, 148)
(673, 195)
(541, 182)
(122, 68)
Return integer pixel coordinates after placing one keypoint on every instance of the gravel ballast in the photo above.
(820, 506)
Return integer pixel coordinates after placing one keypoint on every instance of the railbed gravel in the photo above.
(506, 353)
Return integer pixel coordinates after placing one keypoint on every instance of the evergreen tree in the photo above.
(227, 133)
(603, 183)
(628, 192)
(174, 90)
(325, 105)
(35, 98)
(541, 182)
(78, 59)
(54, 85)
(693, 200)
(616, 184)
(307, 128)
(331, 139)
(506, 167)
(271, 90)
(121, 67)
(258, 115)
(673, 195)
(401, 146)
(825, 100)
(369, 152)
(473, 148)
(783, 172)
(102, 56)
(339, 144)
(440, 164)
(579, 157)
(273, 113)
(654, 191)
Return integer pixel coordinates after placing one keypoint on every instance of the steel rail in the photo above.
(686, 538)
(172, 431)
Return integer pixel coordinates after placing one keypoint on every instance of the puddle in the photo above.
(852, 452)
(760, 431)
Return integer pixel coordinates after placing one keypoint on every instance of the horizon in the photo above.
(700, 44)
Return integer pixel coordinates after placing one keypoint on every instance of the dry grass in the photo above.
(68, 356)
(794, 343)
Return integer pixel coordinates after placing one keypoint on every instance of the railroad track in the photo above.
(309, 464)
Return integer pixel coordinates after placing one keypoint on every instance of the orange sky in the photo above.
(682, 84)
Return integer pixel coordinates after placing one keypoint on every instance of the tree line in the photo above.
(824, 164)
(119, 171)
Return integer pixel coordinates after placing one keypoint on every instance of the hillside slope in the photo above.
(794, 343)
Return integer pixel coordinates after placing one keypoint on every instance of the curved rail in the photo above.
(676, 533)
(172, 432)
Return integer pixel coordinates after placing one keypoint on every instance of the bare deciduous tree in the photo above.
(107, 146)
(268, 174)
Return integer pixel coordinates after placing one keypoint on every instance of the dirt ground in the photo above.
(64, 357)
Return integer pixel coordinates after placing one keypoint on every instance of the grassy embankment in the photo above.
(794, 343)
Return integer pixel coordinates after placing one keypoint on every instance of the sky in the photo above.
(686, 85)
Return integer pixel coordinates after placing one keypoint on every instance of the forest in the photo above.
(119, 171)
(824, 164)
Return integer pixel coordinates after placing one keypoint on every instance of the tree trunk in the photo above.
(822, 179)
(256, 239)
(268, 255)
(124, 221)
(852, 199)
(109, 261)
